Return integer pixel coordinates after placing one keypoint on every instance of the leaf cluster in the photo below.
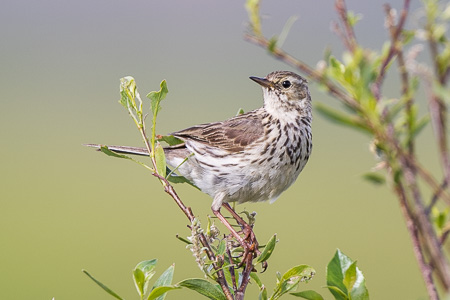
(344, 280)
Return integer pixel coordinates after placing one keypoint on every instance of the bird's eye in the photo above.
(286, 84)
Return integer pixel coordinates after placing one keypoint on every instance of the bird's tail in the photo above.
(121, 149)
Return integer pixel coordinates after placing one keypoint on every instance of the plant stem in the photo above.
(168, 188)
(349, 38)
(417, 248)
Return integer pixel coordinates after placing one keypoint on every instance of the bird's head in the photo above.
(285, 90)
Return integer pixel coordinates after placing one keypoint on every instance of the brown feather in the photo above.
(232, 135)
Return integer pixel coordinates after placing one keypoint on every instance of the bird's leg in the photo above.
(247, 229)
(227, 224)
(249, 245)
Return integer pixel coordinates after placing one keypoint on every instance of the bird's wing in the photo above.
(232, 135)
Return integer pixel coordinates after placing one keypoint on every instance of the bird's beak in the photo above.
(262, 81)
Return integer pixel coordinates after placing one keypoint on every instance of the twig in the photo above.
(395, 48)
(417, 248)
(437, 107)
(438, 112)
(431, 242)
(245, 277)
(436, 196)
(290, 60)
(168, 188)
(349, 38)
(231, 268)
(444, 237)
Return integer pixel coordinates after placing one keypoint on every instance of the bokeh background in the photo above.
(64, 207)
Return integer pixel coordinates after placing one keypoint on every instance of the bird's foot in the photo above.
(245, 238)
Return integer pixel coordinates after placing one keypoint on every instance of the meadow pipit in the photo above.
(251, 157)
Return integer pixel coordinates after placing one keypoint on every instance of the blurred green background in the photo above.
(64, 207)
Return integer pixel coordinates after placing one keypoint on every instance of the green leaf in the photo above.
(262, 288)
(240, 112)
(183, 239)
(263, 293)
(142, 274)
(170, 139)
(439, 217)
(165, 280)
(256, 279)
(272, 44)
(345, 280)
(287, 27)
(270, 246)
(337, 290)
(292, 278)
(108, 152)
(341, 118)
(252, 7)
(304, 272)
(105, 149)
(278, 275)
(128, 92)
(310, 295)
(174, 178)
(160, 292)
(203, 287)
(353, 18)
(139, 281)
(104, 287)
(374, 178)
(419, 125)
(337, 68)
(160, 159)
(350, 276)
(157, 97)
(221, 248)
(335, 274)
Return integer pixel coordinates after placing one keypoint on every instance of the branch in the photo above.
(417, 248)
(430, 240)
(395, 48)
(437, 107)
(316, 76)
(348, 36)
(168, 188)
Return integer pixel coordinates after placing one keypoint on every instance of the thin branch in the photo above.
(349, 36)
(438, 189)
(231, 268)
(444, 76)
(245, 277)
(421, 225)
(290, 60)
(438, 112)
(395, 48)
(431, 242)
(437, 107)
(436, 196)
(417, 248)
(337, 29)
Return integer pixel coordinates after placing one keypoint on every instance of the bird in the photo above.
(252, 157)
